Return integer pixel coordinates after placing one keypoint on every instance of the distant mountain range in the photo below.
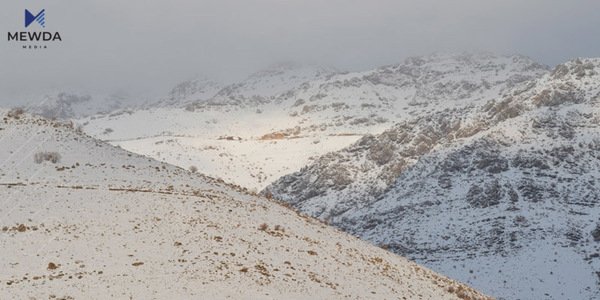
(280, 119)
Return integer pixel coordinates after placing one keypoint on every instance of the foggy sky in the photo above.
(154, 44)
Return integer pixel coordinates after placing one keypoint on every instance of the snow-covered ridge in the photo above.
(102, 222)
(432, 78)
(263, 86)
(506, 187)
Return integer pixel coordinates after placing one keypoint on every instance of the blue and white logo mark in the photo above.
(34, 39)
(40, 18)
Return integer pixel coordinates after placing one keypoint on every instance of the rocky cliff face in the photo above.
(502, 195)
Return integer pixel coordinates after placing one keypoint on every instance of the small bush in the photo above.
(596, 233)
(15, 113)
(268, 194)
(193, 169)
(263, 227)
(40, 157)
(77, 127)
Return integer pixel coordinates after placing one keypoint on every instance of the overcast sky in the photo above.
(154, 44)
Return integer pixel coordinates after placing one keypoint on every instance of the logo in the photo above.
(30, 18)
(31, 39)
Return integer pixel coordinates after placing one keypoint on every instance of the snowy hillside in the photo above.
(279, 119)
(502, 196)
(82, 219)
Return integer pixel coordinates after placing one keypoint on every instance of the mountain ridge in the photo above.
(476, 187)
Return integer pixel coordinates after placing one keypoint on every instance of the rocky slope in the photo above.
(82, 219)
(502, 195)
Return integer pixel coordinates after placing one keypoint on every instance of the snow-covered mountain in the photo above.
(279, 119)
(501, 195)
(263, 86)
(82, 219)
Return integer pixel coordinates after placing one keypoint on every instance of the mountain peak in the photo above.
(578, 67)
